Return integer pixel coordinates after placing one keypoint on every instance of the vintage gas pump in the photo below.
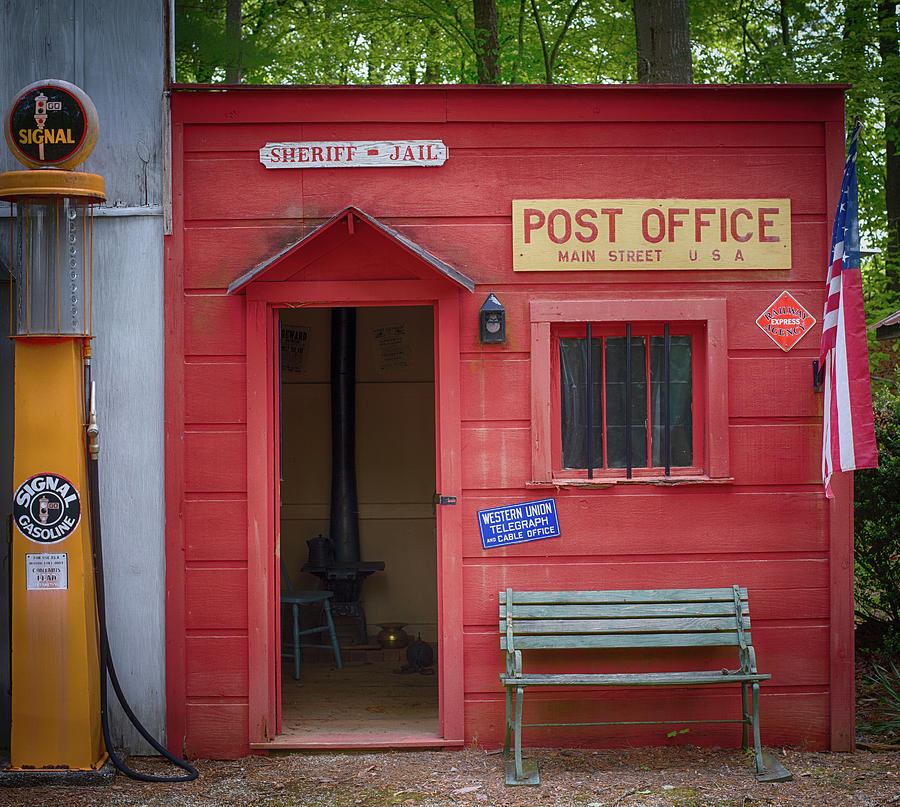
(51, 128)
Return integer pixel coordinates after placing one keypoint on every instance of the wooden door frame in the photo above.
(263, 301)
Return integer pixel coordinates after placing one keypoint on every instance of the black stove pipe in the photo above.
(344, 519)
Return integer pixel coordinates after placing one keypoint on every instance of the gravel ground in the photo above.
(670, 777)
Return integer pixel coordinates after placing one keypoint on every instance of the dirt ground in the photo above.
(683, 776)
(674, 777)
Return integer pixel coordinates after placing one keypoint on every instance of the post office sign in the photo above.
(638, 234)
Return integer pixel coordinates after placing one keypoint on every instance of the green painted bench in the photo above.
(575, 620)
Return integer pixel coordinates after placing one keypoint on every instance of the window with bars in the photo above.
(626, 398)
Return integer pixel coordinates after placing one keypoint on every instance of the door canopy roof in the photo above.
(352, 246)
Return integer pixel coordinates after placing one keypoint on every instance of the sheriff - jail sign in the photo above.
(629, 234)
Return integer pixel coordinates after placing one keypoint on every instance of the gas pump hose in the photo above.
(106, 661)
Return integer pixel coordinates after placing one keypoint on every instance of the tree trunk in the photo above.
(889, 49)
(233, 41)
(432, 63)
(487, 42)
(662, 30)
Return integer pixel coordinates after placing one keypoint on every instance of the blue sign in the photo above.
(518, 523)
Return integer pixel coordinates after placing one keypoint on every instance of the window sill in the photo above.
(659, 481)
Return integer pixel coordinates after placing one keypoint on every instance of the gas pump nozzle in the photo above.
(93, 430)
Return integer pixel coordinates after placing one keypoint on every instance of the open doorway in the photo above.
(377, 692)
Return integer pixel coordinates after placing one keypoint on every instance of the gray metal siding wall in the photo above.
(115, 51)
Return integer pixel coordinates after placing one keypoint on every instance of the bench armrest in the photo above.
(748, 659)
(514, 663)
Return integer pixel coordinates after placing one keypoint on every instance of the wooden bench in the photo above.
(671, 618)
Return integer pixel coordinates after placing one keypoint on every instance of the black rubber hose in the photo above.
(106, 662)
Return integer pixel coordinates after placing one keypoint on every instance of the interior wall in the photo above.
(395, 455)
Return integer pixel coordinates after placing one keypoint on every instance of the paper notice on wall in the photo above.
(46, 570)
(294, 347)
(391, 346)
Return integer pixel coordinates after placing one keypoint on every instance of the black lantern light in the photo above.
(492, 322)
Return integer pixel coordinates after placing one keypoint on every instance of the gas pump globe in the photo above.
(52, 127)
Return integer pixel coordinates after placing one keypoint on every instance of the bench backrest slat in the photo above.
(649, 595)
(619, 640)
(622, 619)
(657, 625)
(591, 611)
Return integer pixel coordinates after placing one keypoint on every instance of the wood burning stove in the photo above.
(340, 567)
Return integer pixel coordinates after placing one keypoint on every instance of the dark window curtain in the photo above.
(680, 402)
(615, 402)
(573, 403)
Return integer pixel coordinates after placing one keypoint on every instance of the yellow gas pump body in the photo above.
(55, 666)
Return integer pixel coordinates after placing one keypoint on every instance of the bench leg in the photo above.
(745, 714)
(518, 771)
(756, 743)
(520, 696)
(508, 732)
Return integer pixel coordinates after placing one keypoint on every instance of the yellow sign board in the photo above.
(628, 234)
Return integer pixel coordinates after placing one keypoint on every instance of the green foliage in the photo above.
(884, 702)
(877, 523)
(405, 41)
(880, 300)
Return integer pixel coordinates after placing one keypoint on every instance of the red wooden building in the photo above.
(685, 211)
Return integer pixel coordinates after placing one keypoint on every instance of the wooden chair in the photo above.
(295, 598)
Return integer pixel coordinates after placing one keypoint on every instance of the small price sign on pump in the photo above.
(47, 571)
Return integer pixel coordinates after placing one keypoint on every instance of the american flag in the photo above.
(848, 434)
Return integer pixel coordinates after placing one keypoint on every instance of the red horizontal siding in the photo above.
(593, 135)
(215, 461)
(216, 598)
(216, 666)
(220, 183)
(214, 325)
(216, 255)
(215, 529)
(215, 392)
(481, 583)
(216, 730)
(640, 520)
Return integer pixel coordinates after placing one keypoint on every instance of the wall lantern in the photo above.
(492, 322)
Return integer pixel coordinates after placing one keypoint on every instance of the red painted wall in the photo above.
(770, 529)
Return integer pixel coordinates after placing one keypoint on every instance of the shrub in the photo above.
(884, 701)
(877, 525)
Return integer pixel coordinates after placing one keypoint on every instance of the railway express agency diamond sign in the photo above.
(785, 322)
(566, 235)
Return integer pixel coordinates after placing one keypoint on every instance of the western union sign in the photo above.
(628, 234)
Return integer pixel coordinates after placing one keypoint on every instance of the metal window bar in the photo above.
(667, 390)
(589, 408)
(648, 401)
(603, 404)
(628, 400)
